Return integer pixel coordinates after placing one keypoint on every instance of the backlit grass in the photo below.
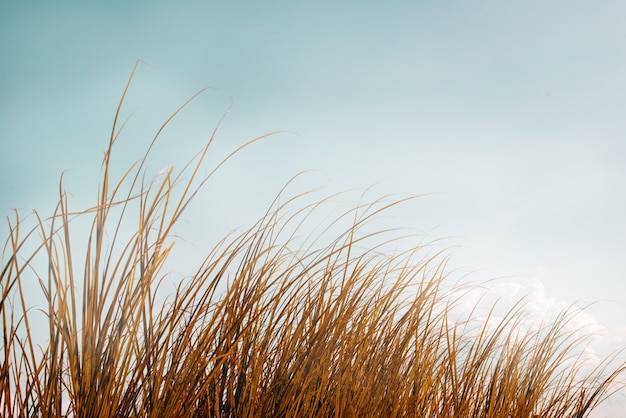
(274, 322)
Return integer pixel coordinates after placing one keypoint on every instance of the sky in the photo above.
(509, 115)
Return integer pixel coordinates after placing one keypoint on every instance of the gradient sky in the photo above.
(511, 113)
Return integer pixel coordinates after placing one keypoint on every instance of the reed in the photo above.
(272, 323)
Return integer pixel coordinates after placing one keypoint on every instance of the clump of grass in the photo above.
(271, 324)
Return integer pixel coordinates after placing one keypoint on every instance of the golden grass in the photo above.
(269, 325)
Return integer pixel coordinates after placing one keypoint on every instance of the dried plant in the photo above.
(271, 324)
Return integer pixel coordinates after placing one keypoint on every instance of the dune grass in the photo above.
(272, 323)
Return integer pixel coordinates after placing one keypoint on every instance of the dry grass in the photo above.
(271, 324)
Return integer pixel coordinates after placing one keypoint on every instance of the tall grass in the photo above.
(272, 323)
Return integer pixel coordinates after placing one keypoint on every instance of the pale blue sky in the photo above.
(513, 112)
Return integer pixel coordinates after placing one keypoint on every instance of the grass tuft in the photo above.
(272, 323)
